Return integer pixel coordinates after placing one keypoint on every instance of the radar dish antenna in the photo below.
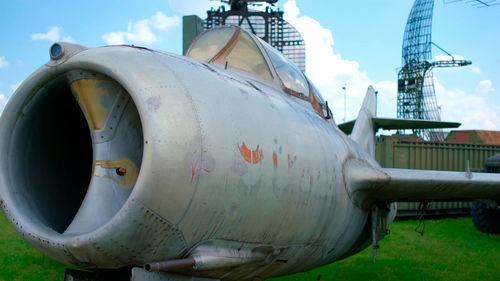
(416, 94)
(475, 3)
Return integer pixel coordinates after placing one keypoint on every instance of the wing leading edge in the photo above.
(369, 185)
(400, 124)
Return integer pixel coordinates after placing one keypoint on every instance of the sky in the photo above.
(348, 43)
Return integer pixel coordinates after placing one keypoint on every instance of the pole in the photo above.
(345, 102)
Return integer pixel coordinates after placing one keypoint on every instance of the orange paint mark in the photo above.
(246, 153)
(256, 155)
(275, 159)
(311, 179)
(251, 156)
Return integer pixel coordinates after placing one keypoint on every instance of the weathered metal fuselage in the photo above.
(227, 162)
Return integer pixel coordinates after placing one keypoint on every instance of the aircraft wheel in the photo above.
(486, 219)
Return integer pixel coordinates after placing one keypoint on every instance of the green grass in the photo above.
(451, 249)
(21, 262)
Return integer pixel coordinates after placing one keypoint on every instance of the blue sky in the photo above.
(352, 43)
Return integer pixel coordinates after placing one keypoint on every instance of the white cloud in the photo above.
(443, 57)
(162, 22)
(54, 35)
(386, 98)
(68, 39)
(3, 102)
(476, 69)
(473, 111)
(484, 87)
(3, 62)
(140, 31)
(291, 9)
(329, 71)
(114, 38)
(194, 7)
(15, 86)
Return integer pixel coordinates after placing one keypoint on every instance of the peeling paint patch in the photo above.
(291, 161)
(153, 103)
(130, 173)
(251, 156)
(201, 164)
(239, 166)
(88, 94)
(232, 209)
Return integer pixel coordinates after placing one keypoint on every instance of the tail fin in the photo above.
(364, 129)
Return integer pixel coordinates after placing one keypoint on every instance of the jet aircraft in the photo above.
(225, 164)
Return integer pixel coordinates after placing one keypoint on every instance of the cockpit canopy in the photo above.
(235, 48)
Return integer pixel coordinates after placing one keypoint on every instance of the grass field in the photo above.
(451, 249)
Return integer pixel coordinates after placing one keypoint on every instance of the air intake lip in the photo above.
(74, 153)
(48, 157)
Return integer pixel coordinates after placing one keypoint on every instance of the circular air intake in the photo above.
(74, 153)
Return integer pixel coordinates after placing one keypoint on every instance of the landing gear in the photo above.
(486, 217)
(486, 213)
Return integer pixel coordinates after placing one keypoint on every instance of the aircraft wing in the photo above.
(400, 124)
(370, 185)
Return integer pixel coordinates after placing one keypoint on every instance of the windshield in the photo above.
(290, 75)
(323, 106)
(247, 56)
(209, 44)
(231, 47)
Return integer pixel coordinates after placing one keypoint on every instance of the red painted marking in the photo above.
(199, 164)
(251, 156)
(246, 153)
(193, 173)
